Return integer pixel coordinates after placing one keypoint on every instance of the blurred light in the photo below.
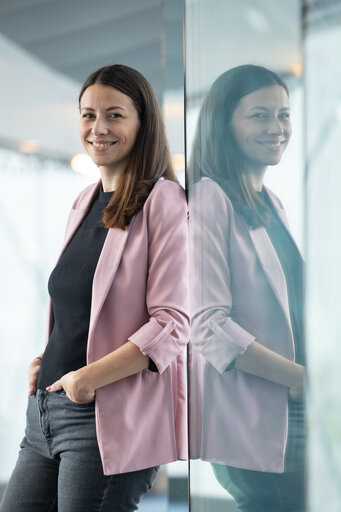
(178, 160)
(297, 69)
(173, 108)
(83, 164)
(30, 146)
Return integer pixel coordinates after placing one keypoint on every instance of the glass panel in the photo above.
(47, 50)
(323, 180)
(247, 364)
(173, 111)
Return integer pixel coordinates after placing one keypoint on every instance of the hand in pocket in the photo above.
(33, 371)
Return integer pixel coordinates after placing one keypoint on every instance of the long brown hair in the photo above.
(150, 158)
(215, 153)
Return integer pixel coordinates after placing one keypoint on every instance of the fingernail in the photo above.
(48, 388)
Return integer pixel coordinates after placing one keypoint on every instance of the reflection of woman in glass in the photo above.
(247, 336)
(107, 402)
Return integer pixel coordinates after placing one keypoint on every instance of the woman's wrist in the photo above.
(299, 376)
(83, 378)
(263, 362)
(123, 362)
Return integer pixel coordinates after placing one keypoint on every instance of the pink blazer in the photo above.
(239, 294)
(140, 293)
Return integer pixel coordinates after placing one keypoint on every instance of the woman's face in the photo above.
(261, 126)
(108, 126)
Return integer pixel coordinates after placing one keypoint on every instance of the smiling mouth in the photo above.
(274, 145)
(101, 145)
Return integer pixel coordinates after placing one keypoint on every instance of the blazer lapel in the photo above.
(106, 269)
(75, 218)
(272, 268)
(77, 215)
(109, 259)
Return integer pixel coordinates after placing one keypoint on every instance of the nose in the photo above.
(275, 126)
(99, 127)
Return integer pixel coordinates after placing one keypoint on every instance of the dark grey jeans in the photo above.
(59, 465)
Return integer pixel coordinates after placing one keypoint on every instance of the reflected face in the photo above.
(261, 126)
(108, 126)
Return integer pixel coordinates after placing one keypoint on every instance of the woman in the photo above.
(107, 401)
(247, 364)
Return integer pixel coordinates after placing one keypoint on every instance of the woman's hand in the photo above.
(33, 371)
(80, 385)
(263, 362)
(76, 387)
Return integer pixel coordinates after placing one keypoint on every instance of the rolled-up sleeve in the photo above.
(214, 333)
(166, 333)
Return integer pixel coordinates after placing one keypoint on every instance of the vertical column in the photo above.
(247, 358)
(323, 181)
(173, 111)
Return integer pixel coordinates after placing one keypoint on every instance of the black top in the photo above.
(70, 288)
(293, 268)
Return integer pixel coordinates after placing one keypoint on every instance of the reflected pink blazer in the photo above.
(239, 294)
(140, 293)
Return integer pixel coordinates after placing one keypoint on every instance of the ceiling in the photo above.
(75, 37)
(221, 34)
(51, 46)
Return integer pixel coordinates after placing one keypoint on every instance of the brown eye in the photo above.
(260, 115)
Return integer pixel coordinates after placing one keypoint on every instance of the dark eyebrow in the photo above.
(114, 107)
(266, 109)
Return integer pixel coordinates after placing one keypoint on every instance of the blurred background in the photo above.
(47, 49)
